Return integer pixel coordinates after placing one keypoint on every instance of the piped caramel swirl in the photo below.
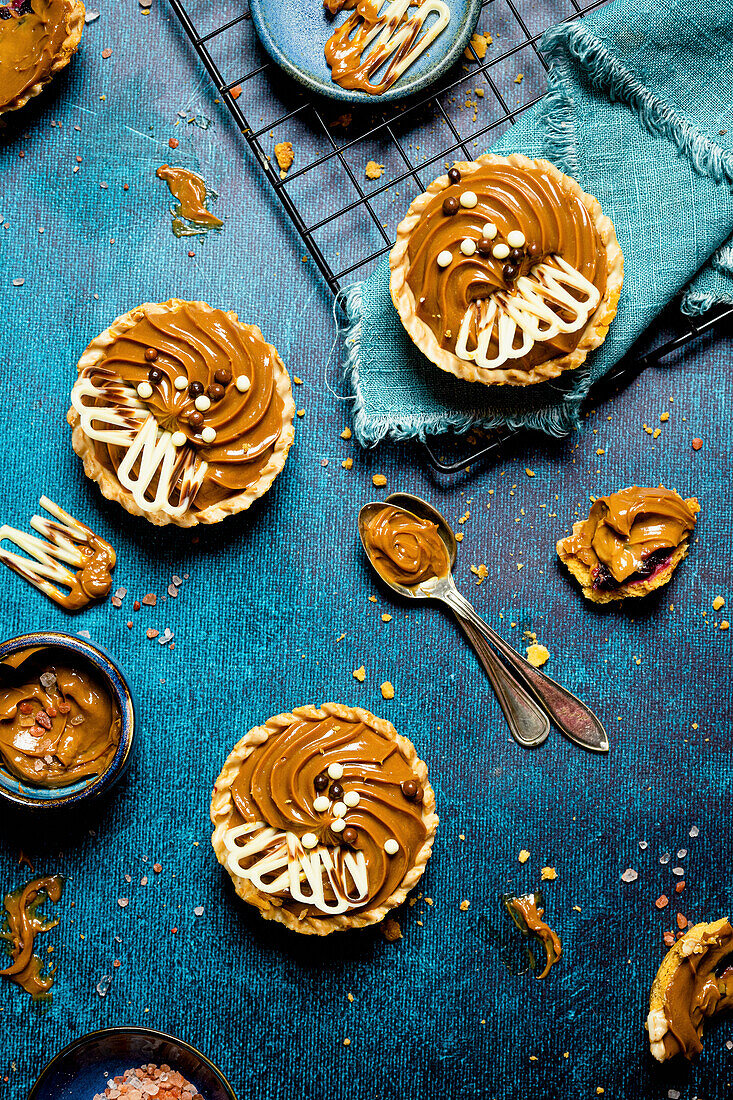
(58, 722)
(453, 296)
(405, 549)
(327, 814)
(632, 533)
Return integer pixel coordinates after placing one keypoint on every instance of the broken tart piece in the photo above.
(694, 982)
(630, 544)
(38, 38)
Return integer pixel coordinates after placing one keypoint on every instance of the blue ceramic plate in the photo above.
(41, 798)
(78, 1072)
(295, 32)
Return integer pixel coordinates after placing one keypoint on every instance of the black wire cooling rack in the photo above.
(355, 171)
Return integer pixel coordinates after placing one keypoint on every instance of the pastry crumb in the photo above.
(479, 45)
(537, 655)
(379, 480)
(347, 463)
(387, 689)
(725, 625)
(298, 381)
(519, 78)
(528, 472)
(359, 674)
(284, 156)
(391, 930)
(386, 618)
(346, 433)
(548, 874)
(464, 905)
(481, 572)
(373, 171)
(718, 602)
(523, 856)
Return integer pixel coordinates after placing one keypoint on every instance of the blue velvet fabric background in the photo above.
(436, 1015)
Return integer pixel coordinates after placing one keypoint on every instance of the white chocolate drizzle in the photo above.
(539, 307)
(282, 865)
(151, 453)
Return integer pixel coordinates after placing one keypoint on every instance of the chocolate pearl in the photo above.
(409, 788)
(151, 354)
(196, 420)
(533, 250)
(321, 782)
(484, 246)
(450, 205)
(510, 272)
(336, 791)
(454, 175)
(349, 836)
(516, 256)
(223, 375)
(215, 391)
(196, 389)
(155, 375)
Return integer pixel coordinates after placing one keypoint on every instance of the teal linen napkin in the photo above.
(640, 111)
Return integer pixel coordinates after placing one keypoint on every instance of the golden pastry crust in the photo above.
(424, 338)
(73, 24)
(692, 943)
(107, 481)
(584, 575)
(222, 806)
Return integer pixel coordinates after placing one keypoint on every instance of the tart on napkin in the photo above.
(324, 818)
(630, 544)
(694, 982)
(505, 272)
(182, 413)
(38, 38)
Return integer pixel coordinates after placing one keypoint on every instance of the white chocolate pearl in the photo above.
(309, 840)
(339, 809)
(320, 804)
(202, 403)
(178, 439)
(338, 825)
(335, 771)
(145, 390)
(180, 382)
(444, 258)
(391, 846)
(468, 199)
(208, 435)
(516, 238)
(468, 247)
(242, 383)
(489, 231)
(352, 798)
(500, 251)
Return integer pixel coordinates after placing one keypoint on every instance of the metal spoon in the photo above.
(570, 715)
(527, 722)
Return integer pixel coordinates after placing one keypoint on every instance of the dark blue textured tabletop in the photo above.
(278, 609)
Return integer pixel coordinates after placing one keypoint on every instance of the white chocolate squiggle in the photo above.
(125, 422)
(537, 308)
(283, 865)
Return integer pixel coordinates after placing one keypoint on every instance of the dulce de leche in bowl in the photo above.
(66, 720)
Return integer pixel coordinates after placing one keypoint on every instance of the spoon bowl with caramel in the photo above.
(412, 548)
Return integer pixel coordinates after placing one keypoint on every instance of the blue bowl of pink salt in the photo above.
(131, 1063)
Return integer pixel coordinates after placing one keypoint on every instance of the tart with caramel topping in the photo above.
(182, 413)
(324, 818)
(505, 272)
(37, 39)
(630, 544)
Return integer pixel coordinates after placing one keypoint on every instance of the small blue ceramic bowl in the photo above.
(40, 798)
(294, 33)
(84, 1068)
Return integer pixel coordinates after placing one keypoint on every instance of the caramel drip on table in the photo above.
(702, 985)
(21, 927)
(526, 911)
(624, 529)
(276, 785)
(190, 192)
(58, 722)
(405, 548)
(31, 37)
(553, 222)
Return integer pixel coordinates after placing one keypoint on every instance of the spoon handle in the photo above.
(570, 715)
(528, 723)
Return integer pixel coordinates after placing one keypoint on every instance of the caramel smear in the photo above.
(65, 540)
(694, 982)
(191, 217)
(527, 912)
(21, 926)
(405, 548)
(381, 36)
